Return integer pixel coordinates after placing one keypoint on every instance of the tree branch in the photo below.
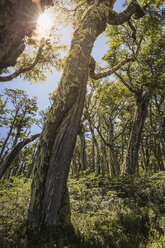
(111, 71)
(133, 9)
(26, 68)
(126, 84)
(105, 142)
(117, 136)
(133, 30)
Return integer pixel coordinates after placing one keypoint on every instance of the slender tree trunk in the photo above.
(144, 157)
(122, 148)
(93, 154)
(130, 164)
(104, 159)
(97, 157)
(74, 165)
(162, 150)
(57, 141)
(114, 166)
(8, 136)
(82, 152)
(162, 143)
(17, 135)
(31, 166)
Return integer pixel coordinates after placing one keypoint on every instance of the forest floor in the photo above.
(119, 212)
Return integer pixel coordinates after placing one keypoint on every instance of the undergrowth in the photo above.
(125, 212)
(122, 212)
(14, 201)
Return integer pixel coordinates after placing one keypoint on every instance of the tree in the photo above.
(18, 114)
(141, 77)
(152, 141)
(49, 205)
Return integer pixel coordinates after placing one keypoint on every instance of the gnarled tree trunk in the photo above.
(58, 137)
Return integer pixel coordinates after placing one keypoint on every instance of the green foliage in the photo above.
(147, 46)
(18, 115)
(119, 212)
(14, 197)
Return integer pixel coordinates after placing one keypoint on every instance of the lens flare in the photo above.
(45, 24)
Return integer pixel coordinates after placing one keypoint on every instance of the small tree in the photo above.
(18, 116)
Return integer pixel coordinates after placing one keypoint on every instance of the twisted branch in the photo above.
(95, 76)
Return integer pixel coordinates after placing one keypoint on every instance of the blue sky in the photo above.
(42, 90)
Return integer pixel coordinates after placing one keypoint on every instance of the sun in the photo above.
(45, 21)
(44, 24)
(52, 25)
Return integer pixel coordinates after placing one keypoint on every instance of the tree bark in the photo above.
(58, 137)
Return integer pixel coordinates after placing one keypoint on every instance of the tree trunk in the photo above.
(130, 164)
(162, 143)
(8, 136)
(97, 158)
(114, 166)
(58, 137)
(162, 150)
(82, 151)
(93, 154)
(60, 130)
(105, 164)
